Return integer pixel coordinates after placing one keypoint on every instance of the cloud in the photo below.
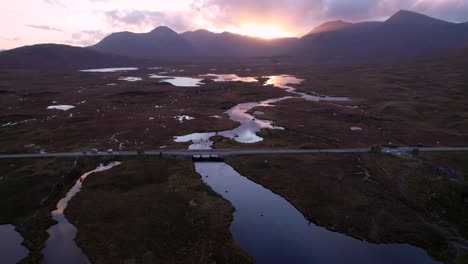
(301, 15)
(86, 37)
(44, 27)
(144, 20)
(11, 39)
(55, 3)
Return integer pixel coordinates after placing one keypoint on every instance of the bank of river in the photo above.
(265, 224)
(61, 246)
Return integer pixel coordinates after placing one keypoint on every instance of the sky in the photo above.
(85, 22)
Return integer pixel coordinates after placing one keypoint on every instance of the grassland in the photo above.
(377, 198)
(153, 211)
(29, 190)
(127, 115)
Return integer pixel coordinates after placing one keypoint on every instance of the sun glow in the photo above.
(264, 31)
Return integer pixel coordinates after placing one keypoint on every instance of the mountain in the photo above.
(161, 43)
(59, 57)
(404, 34)
(209, 44)
(164, 43)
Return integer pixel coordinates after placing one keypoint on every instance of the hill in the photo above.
(59, 57)
(161, 43)
(405, 34)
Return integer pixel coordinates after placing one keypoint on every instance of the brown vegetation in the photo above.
(377, 198)
(153, 211)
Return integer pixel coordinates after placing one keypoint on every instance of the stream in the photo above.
(60, 246)
(246, 132)
(266, 225)
(11, 250)
(272, 230)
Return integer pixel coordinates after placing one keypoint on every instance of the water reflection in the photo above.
(229, 78)
(11, 250)
(249, 126)
(285, 82)
(60, 246)
(246, 132)
(130, 79)
(104, 70)
(178, 81)
(61, 107)
(271, 230)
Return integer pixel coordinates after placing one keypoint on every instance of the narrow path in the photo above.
(228, 152)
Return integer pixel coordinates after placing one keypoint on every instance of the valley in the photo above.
(344, 145)
(144, 113)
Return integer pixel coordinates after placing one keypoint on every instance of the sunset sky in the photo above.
(84, 22)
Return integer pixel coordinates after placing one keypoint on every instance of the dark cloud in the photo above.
(142, 20)
(44, 27)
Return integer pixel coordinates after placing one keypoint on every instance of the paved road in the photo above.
(229, 152)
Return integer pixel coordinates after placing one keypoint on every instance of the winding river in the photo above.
(246, 132)
(61, 246)
(265, 224)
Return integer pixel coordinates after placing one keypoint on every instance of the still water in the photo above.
(61, 246)
(272, 230)
(11, 250)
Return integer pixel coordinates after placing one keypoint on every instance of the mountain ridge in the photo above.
(405, 34)
(59, 57)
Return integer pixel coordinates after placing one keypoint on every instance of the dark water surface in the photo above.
(11, 250)
(271, 230)
(61, 246)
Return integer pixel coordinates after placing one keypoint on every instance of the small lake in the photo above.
(250, 125)
(272, 230)
(61, 107)
(130, 79)
(229, 78)
(11, 250)
(60, 247)
(104, 70)
(265, 224)
(178, 81)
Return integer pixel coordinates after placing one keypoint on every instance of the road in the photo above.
(228, 152)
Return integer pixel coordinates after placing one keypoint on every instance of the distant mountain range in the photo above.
(405, 34)
(59, 57)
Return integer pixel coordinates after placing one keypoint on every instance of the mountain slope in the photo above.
(404, 34)
(58, 57)
(162, 42)
(206, 43)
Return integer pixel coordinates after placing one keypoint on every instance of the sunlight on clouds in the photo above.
(264, 31)
(84, 22)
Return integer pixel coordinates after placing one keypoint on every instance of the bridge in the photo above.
(230, 152)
